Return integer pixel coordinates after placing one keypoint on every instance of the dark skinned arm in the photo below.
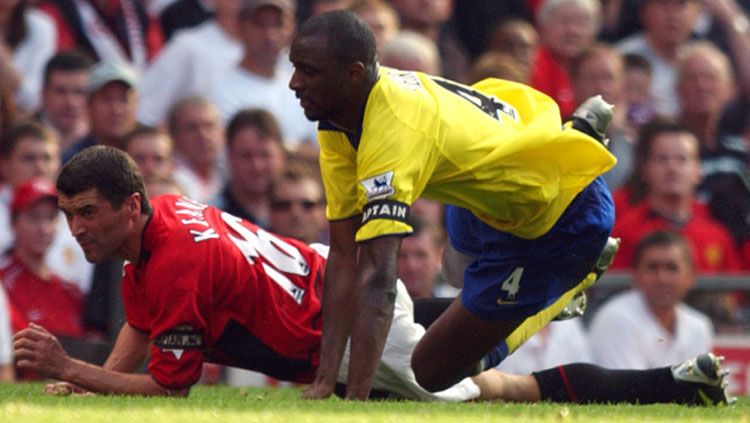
(339, 290)
(376, 297)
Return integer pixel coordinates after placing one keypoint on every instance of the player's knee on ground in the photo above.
(430, 376)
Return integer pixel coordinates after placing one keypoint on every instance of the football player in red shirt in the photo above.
(200, 284)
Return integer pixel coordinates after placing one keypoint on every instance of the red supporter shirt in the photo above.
(67, 38)
(549, 77)
(212, 287)
(713, 248)
(53, 303)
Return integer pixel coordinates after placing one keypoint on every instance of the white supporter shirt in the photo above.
(30, 58)
(239, 89)
(625, 334)
(190, 64)
(194, 186)
(557, 343)
(64, 258)
(664, 76)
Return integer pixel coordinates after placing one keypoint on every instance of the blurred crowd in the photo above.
(196, 91)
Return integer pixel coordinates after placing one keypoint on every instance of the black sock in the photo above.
(587, 383)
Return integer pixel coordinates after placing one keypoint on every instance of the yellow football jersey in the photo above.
(497, 148)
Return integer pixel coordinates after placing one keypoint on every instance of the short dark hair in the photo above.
(66, 61)
(109, 170)
(260, 119)
(662, 239)
(648, 133)
(25, 129)
(349, 38)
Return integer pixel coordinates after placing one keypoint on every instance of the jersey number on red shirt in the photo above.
(279, 257)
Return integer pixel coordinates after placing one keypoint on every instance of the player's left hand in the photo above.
(64, 389)
(38, 350)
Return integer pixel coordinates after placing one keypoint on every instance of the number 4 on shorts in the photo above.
(510, 286)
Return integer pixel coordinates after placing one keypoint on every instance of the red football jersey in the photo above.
(713, 248)
(210, 286)
(53, 303)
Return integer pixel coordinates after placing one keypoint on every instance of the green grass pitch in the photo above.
(25, 403)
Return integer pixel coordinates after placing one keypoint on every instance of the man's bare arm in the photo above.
(38, 350)
(377, 294)
(129, 352)
(339, 290)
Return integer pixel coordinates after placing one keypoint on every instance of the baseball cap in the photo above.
(106, 72)
(30, 192)
(249, 6)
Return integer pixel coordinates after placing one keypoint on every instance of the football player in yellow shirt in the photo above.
(527, 210)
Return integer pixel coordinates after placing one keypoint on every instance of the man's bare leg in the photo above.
(499, 386)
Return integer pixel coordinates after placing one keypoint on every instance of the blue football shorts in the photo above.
(514, 278)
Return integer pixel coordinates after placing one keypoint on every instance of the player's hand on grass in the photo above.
(317, 391)
(38, 350)
(64, 389)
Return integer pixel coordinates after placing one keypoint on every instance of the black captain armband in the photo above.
(385, 209)
(181, 337)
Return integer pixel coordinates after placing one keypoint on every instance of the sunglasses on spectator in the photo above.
(284, 205)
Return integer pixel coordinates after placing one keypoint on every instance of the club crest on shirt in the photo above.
(379, 186)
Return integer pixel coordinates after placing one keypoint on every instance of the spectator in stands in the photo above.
(380, 16)
(27, 42)
(191, 64)
(412, 51)
(261, 80)
(727, 174)
(117, 31)
(431, 19)
(66, 77)
(669, 168)
(599, 70)
(298, 204)
(37, 293)
(566, 29)
(112, 100)
(186, 14)
(30, 150)
(649, 325)
(198, 135)
(637, 92)
(419, 259)
(151, 149)
(705, 84)
(667, 26)
(256, 155)
(517, 38)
